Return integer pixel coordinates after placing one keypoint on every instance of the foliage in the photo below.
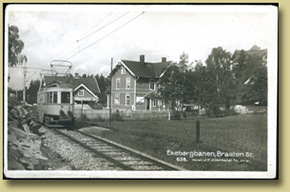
(104, 85)
(15, 47)
(84, 118)
(32, 91)
(222, 82)
(250, 73)
(175, 86)
(116, 116)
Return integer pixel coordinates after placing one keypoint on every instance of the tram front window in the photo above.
(65, 97)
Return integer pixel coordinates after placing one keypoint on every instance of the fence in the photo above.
(134, 115)
(125, 115)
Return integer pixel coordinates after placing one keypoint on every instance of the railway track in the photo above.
(116, 156)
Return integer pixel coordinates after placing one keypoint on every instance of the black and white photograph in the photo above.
(140, 91)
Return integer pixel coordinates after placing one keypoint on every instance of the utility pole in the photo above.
(111, 92)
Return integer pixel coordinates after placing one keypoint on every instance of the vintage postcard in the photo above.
(140, 91)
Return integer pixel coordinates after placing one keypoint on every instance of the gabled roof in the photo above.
(90, 83)
(153, 95)
(143, 69)
(255, 50)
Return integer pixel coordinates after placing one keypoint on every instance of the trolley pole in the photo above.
(110, 119)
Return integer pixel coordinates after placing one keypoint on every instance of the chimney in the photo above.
(163, 59)
(77, 76)
(142, 58)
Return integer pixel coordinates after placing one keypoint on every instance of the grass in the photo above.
(240, 134)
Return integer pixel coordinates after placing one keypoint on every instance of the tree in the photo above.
(176, 84)
(104, 85)
(15, 48)
(250, 73)
(256, 86)
(32, 91)
(203, 81)
(221, 85)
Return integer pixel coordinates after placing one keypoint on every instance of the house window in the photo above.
(118, 83)
(127, 100)
(128, 83)
(81, 93)
(152, 84)
(65, 97)
(123, 71)
(155, 103)
(117, 99)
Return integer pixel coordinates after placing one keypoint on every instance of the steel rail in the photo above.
(164, 166)
(95, 151)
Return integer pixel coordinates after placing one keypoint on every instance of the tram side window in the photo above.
(65, 97)
(50, 97)
(54, 97)
(47, 97)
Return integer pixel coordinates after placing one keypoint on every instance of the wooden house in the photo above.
(134, 85)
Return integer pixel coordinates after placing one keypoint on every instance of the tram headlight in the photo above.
(62, 113)
(70, 113)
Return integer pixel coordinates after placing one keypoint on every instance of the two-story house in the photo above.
(134, 85)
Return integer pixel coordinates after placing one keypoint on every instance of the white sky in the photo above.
(50, 32)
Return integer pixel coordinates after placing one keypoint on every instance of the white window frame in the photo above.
(127, 95)
(123, 71)
(118, 79)
(128, 82)
(81, 92)
(150, 80)
(117, 95)
(155, 102)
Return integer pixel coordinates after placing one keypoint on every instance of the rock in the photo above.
(26, 127)
(13, 163)
(29, 162)
(42, 130)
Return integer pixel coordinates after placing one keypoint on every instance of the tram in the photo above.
(55, 103)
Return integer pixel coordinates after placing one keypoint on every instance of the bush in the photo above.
(221, 113)
(99, 118)
(175, 115)
(84, 117)
(116, 116)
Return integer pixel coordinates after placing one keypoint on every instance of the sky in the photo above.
(90, 35)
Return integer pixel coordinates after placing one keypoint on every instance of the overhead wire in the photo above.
(77, 42)
(70, 25)
(103, 27)
(107, 35)
(29, 30)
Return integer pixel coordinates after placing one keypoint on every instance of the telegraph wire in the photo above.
(74, 42)
(33, 26)
(106, 35)
(70, 25)
(96, 25)
(103, 27)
